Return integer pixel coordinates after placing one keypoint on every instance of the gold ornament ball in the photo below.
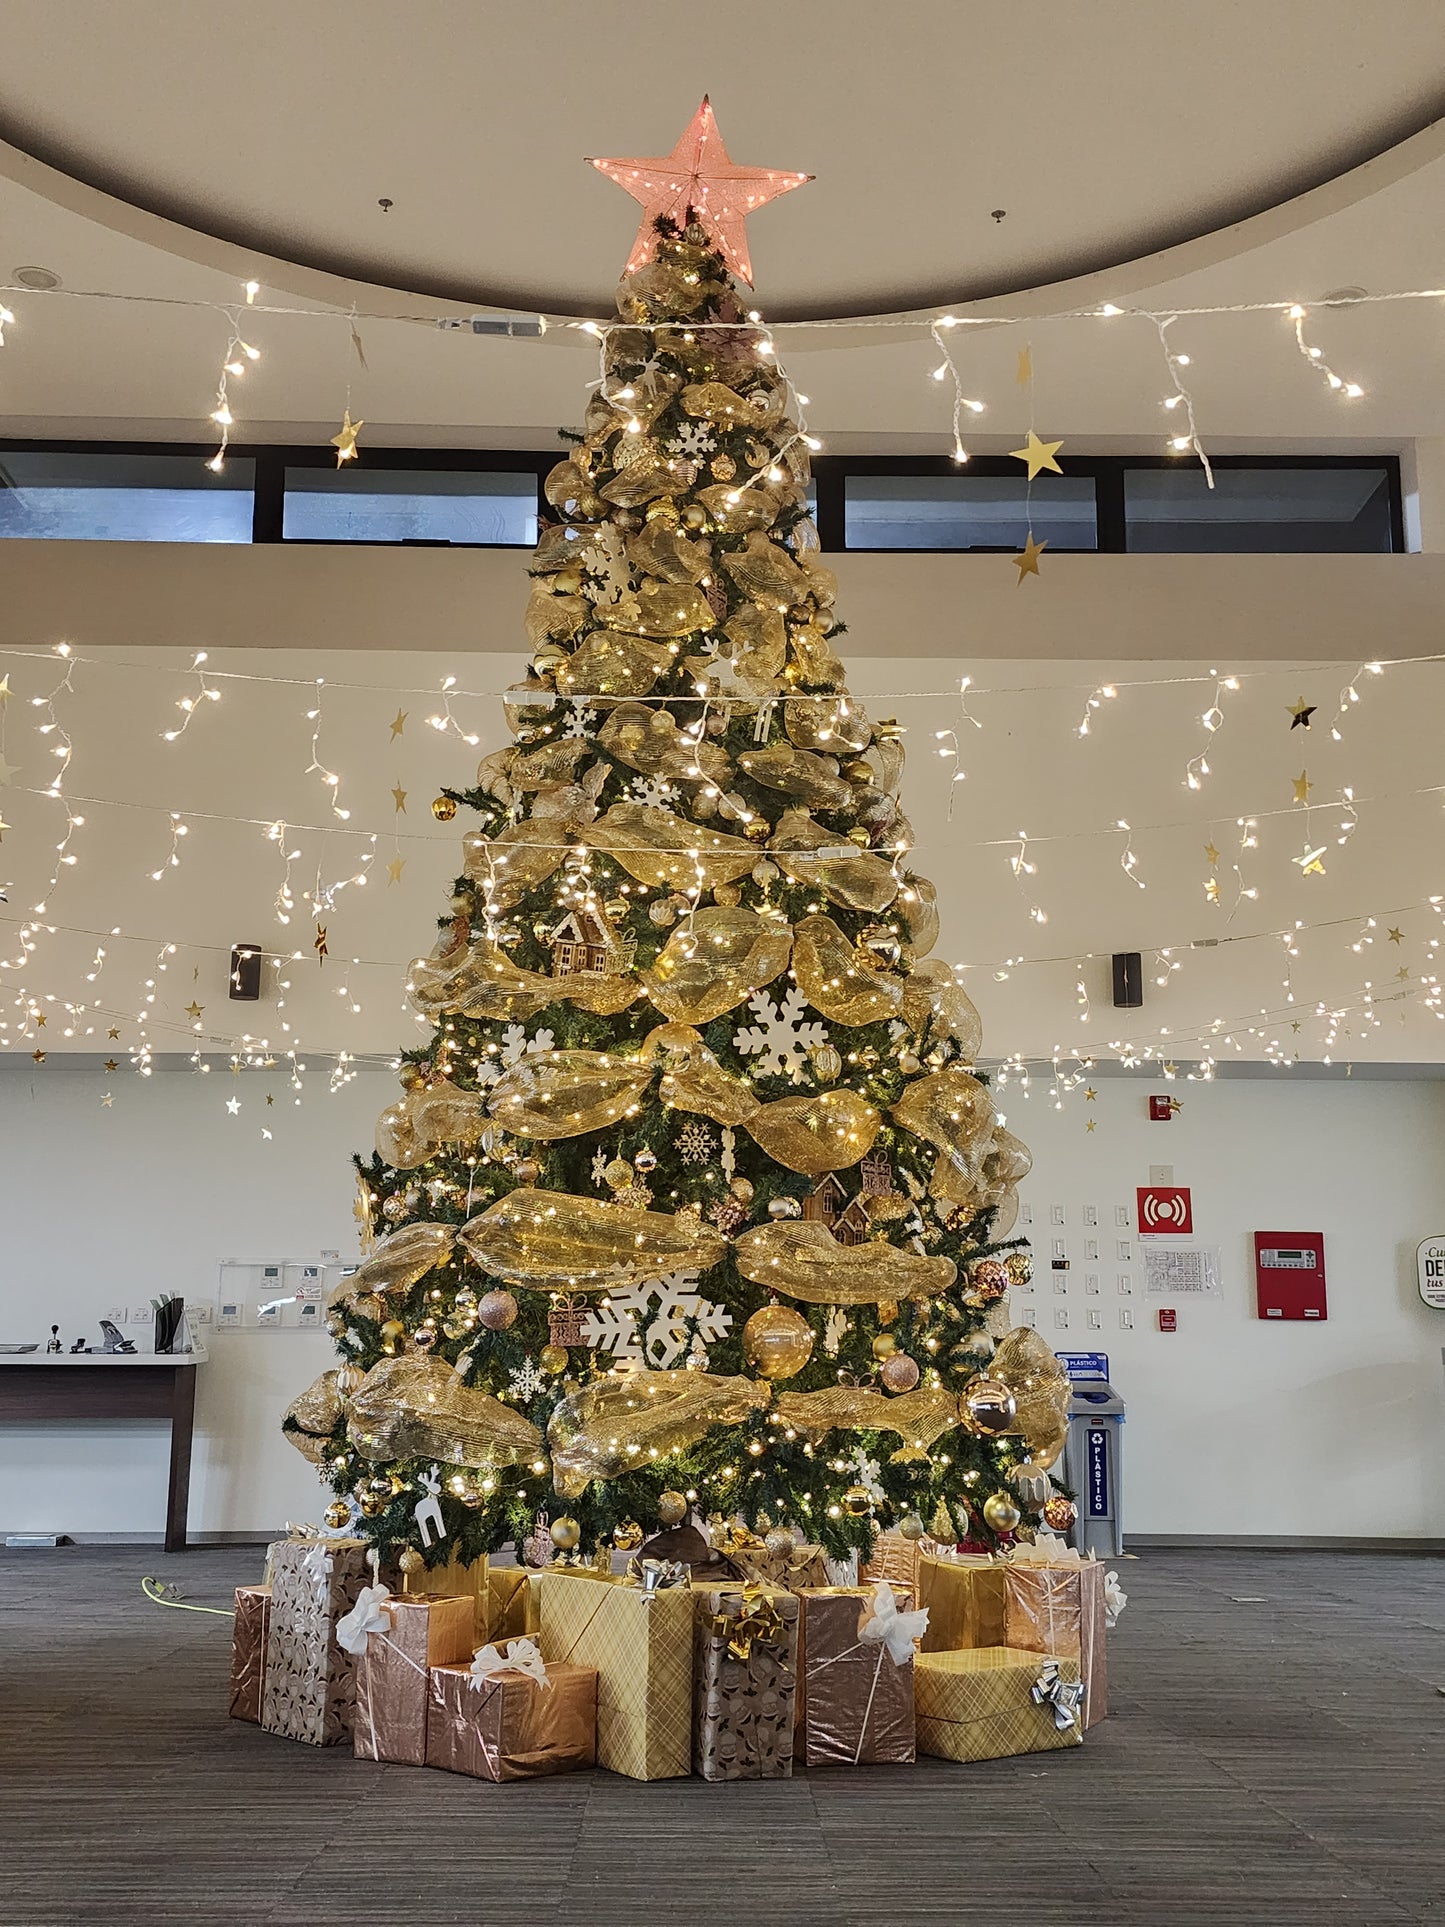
(986, 1407)
(336, 1516)
(726, 894)
(646, 1160)
(1059, 1513)
(786, 1206)
(1020, 1265)
(780, 1541)
(694, 516)
(884, 1345)
(526, 1170)
(777, 1341)
(899, 1373)
(411, 1561)
(443, 808)
(912, 1527)
(628, 1536)
(856, 1501)
(742, 1190)
(553, 1359)
(1000, 1513)
(909, 1062)
(565, 1534)
(496, 1310)
(827, 1062)
(618, 1174)
(348, 1379)
(671, 1508)
(859, 836)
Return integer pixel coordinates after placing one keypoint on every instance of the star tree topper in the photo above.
(698, 176)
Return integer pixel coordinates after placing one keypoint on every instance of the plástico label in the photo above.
(1431, 1261)
(1098, 1472)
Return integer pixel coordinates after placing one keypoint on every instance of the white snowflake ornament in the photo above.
(693, 440)
(695, 1143)
(651, 789)
(626, 1324)
(527, 1380)
(580, 719)
(781, 1038)
(608, 577)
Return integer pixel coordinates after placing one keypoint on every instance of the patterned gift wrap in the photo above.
(965, 1601)
(640, 1647)
(514, 1602)
(248, 1652)
(310, 1687)
(990, 1702)
(391, 1675)
(745, 1661)
(508, 1726)
(855, 1702)
(805, 1565)
(465, 1581)
(1061, 1610)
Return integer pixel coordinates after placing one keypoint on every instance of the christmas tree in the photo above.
(693, 1202)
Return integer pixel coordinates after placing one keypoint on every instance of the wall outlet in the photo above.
(1091, 1248)
(1061, 1318)
(1061, 1249)
(1091, 1283)
(201, 1314)
(1094, 1318)
(117, 1314)
(1056, 1214)
(1026, 1213)
(1091, 1214)
(1125, 1252)
(1126, 1319)
(1126, 1285)
(141, 1315)
(1121, 1216)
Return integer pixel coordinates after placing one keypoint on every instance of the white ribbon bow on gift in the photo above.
(521, 1656)
(1047, 1550)
(1115, 1599)
(365, 1618)
(894, 1630)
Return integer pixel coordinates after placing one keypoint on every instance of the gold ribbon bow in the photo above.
(759, 1619)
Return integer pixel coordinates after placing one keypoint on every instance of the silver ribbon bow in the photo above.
(1063, 1696)
(656, 1575)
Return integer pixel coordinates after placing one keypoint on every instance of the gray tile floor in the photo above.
(1275, 1756)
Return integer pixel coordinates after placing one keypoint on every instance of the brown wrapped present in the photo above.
(745, 1676)
(391, 1674)
(896, 1559)
(965, 1601)
(990, 1702)
(855, 1677)
(805, 1565)
(309, 1692)
(506, 1725)
(640, 1644)
(470, 1581)
(514, 1602)
(248, 1652)
(1060, 1609)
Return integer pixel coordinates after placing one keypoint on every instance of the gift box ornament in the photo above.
(514, 1603)
(508, 1716)
(745, 1676)
(1060, 1609)
(855, 1676)
(395, 1642)
(248, 1652)
(639, 1642)
(989, 1702)
(965, 1601)
(309, 1691)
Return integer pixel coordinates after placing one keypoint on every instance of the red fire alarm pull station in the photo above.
(1289, 1274)
(1168, 1319)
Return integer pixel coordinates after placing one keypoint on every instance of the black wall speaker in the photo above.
(1128, 980)
(246, 973)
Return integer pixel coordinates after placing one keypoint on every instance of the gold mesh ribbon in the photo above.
(552, 1241)
(565, 1093)
(397, 1262)
(417, 1408)
(620, 1424)
(804, 1260)
(920, 1417)
(714, 960)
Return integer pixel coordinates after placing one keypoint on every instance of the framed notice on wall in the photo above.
(1182, 1271)
(1431, 1261)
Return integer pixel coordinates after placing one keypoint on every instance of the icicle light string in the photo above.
(1180, 396)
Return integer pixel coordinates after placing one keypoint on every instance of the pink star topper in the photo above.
(698, 176)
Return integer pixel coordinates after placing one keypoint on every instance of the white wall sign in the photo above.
(1431, 1261)
(1182, 1271)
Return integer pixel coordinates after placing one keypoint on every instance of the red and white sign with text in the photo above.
(1165, 1211)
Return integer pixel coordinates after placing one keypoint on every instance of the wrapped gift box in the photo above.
(514, 1602)
(510, 1727)
(745, 1676)
(805, 1565)
(896, 1559)
(640, 1647)
(248, 1651)
(980, 1704)
(465, 1580)
(391, 1675)
(855, 1702)
(309, 1692)
(965, 1601)
(1060, 1609)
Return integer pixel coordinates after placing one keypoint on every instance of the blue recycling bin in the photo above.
(1094, 1454)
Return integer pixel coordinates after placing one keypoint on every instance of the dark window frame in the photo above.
(830, 474)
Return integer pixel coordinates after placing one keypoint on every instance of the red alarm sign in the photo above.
(1289, 1274)
(1165, 1211)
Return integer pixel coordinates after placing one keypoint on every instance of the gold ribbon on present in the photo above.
(759, 1619)
(729, 1538)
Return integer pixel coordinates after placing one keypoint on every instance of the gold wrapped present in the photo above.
(464, 1579)
(745, 1675)
(965, 1601)
(391, 1675)
(641, 1648)
(309, 1692)
(990, 1702)
(508, 1726)
(248, 1652)
(514, 1602)
(855, 1687)
(896, 1559)
(1060, 1610)
(802, 1565)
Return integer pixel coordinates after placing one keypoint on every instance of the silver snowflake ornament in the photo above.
(695, 1142)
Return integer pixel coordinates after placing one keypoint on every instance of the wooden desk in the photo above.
(123, 1385)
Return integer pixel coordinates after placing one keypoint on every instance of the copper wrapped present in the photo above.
(391, 1674)
(514, 1602)
(855, 1675)
(248, 1652)
(511, 1722)
(745, 1676)
(309, 1692)
(639, 1641)
(965, 1601)
(896, 1559)
(1060, 1609)
(991, 1701)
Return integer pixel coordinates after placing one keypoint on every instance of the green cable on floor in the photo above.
(158, 1597)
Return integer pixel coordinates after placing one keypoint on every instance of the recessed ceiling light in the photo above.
(42, 280)
(1346, 294)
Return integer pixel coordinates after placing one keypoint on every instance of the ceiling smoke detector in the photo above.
(42, 280)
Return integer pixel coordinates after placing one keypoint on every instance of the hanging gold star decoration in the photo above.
(345, 442)
(1302, 787)
(1025, 368)
(1089, 1094)
(1397, 936)
(1309, 863)
(38, 1055)
(398, 723)
(110, 1065)
(398, 797)
(394, 869)
(1037, 455)
(1092, 1124)
(319, 944)
(1402, 973)
(193, 1011)
(269, 1098)
(8, 771)
(1295, 1026)
(1211, 855)
(41, 1020)
(4, 826)
(107, 1099)
(1300, 713)
(113, 1032)
(1211, 889)
(1027, 562)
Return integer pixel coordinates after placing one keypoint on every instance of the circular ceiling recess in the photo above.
(439, 148)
